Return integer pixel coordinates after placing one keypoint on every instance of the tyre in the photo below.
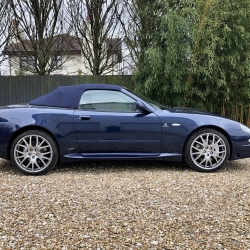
(34, 152)
(207, 150)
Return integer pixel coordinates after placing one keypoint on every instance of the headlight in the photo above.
(245, 128)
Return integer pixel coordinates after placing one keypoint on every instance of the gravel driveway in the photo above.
(126, 205)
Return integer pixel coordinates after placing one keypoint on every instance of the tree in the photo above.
(35, 34)
(166, 51)
(138, 23)
(199, 56)
(219, 68)
(96, 23)
(4, 24)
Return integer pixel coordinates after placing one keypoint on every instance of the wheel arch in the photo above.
(27, 128)
(210, 127)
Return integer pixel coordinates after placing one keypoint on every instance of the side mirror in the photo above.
(142, 107)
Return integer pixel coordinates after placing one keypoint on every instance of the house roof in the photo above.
(63, 43)
(69, 96)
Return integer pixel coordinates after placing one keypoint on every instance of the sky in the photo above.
(4, 69)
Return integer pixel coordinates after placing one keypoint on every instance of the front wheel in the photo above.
(207, 150)
(34, 152)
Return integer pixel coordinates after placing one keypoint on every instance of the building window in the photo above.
(27, 63)
(57, 62)
(115, 58)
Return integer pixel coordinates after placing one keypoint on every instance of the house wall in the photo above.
(72, 65)
(14, 63)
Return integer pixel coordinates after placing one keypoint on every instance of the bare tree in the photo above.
(96, 23)
(130, 23)
(138, 25)
(36, 33)
(4, 24)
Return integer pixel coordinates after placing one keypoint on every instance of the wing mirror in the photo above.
(140, 106)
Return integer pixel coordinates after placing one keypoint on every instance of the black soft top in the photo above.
(69, 96)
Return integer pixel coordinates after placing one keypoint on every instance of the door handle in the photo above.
(84, 117)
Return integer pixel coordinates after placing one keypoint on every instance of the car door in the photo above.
(108, 122)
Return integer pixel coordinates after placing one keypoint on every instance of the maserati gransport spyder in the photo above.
(101, 121)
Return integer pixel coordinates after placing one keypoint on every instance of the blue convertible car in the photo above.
(100, 121)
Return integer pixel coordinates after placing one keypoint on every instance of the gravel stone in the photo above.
(126, 205)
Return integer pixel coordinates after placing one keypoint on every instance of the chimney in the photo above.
(88, 17)
(15, 23)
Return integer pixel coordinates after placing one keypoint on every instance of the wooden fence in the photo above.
(22, 89)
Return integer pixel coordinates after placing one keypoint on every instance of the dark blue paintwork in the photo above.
(107, 135)
(118, 132)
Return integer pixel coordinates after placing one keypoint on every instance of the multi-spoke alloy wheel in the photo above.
(207, 150)
(34, 152)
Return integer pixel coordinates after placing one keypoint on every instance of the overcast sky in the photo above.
(4, 69)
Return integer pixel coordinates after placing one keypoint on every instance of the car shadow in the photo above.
(142, 165)
(121, 166)
(103, 166)
(7, 168)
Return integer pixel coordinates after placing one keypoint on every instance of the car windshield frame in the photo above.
(151, 102)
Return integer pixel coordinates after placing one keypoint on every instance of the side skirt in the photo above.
(120, 156)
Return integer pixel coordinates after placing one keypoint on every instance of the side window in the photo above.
(107, 100)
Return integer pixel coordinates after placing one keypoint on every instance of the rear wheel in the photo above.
(207, 150)
(34, 152)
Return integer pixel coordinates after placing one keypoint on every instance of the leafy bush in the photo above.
(199, 56)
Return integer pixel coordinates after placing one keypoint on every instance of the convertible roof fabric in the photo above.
(69, 96)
